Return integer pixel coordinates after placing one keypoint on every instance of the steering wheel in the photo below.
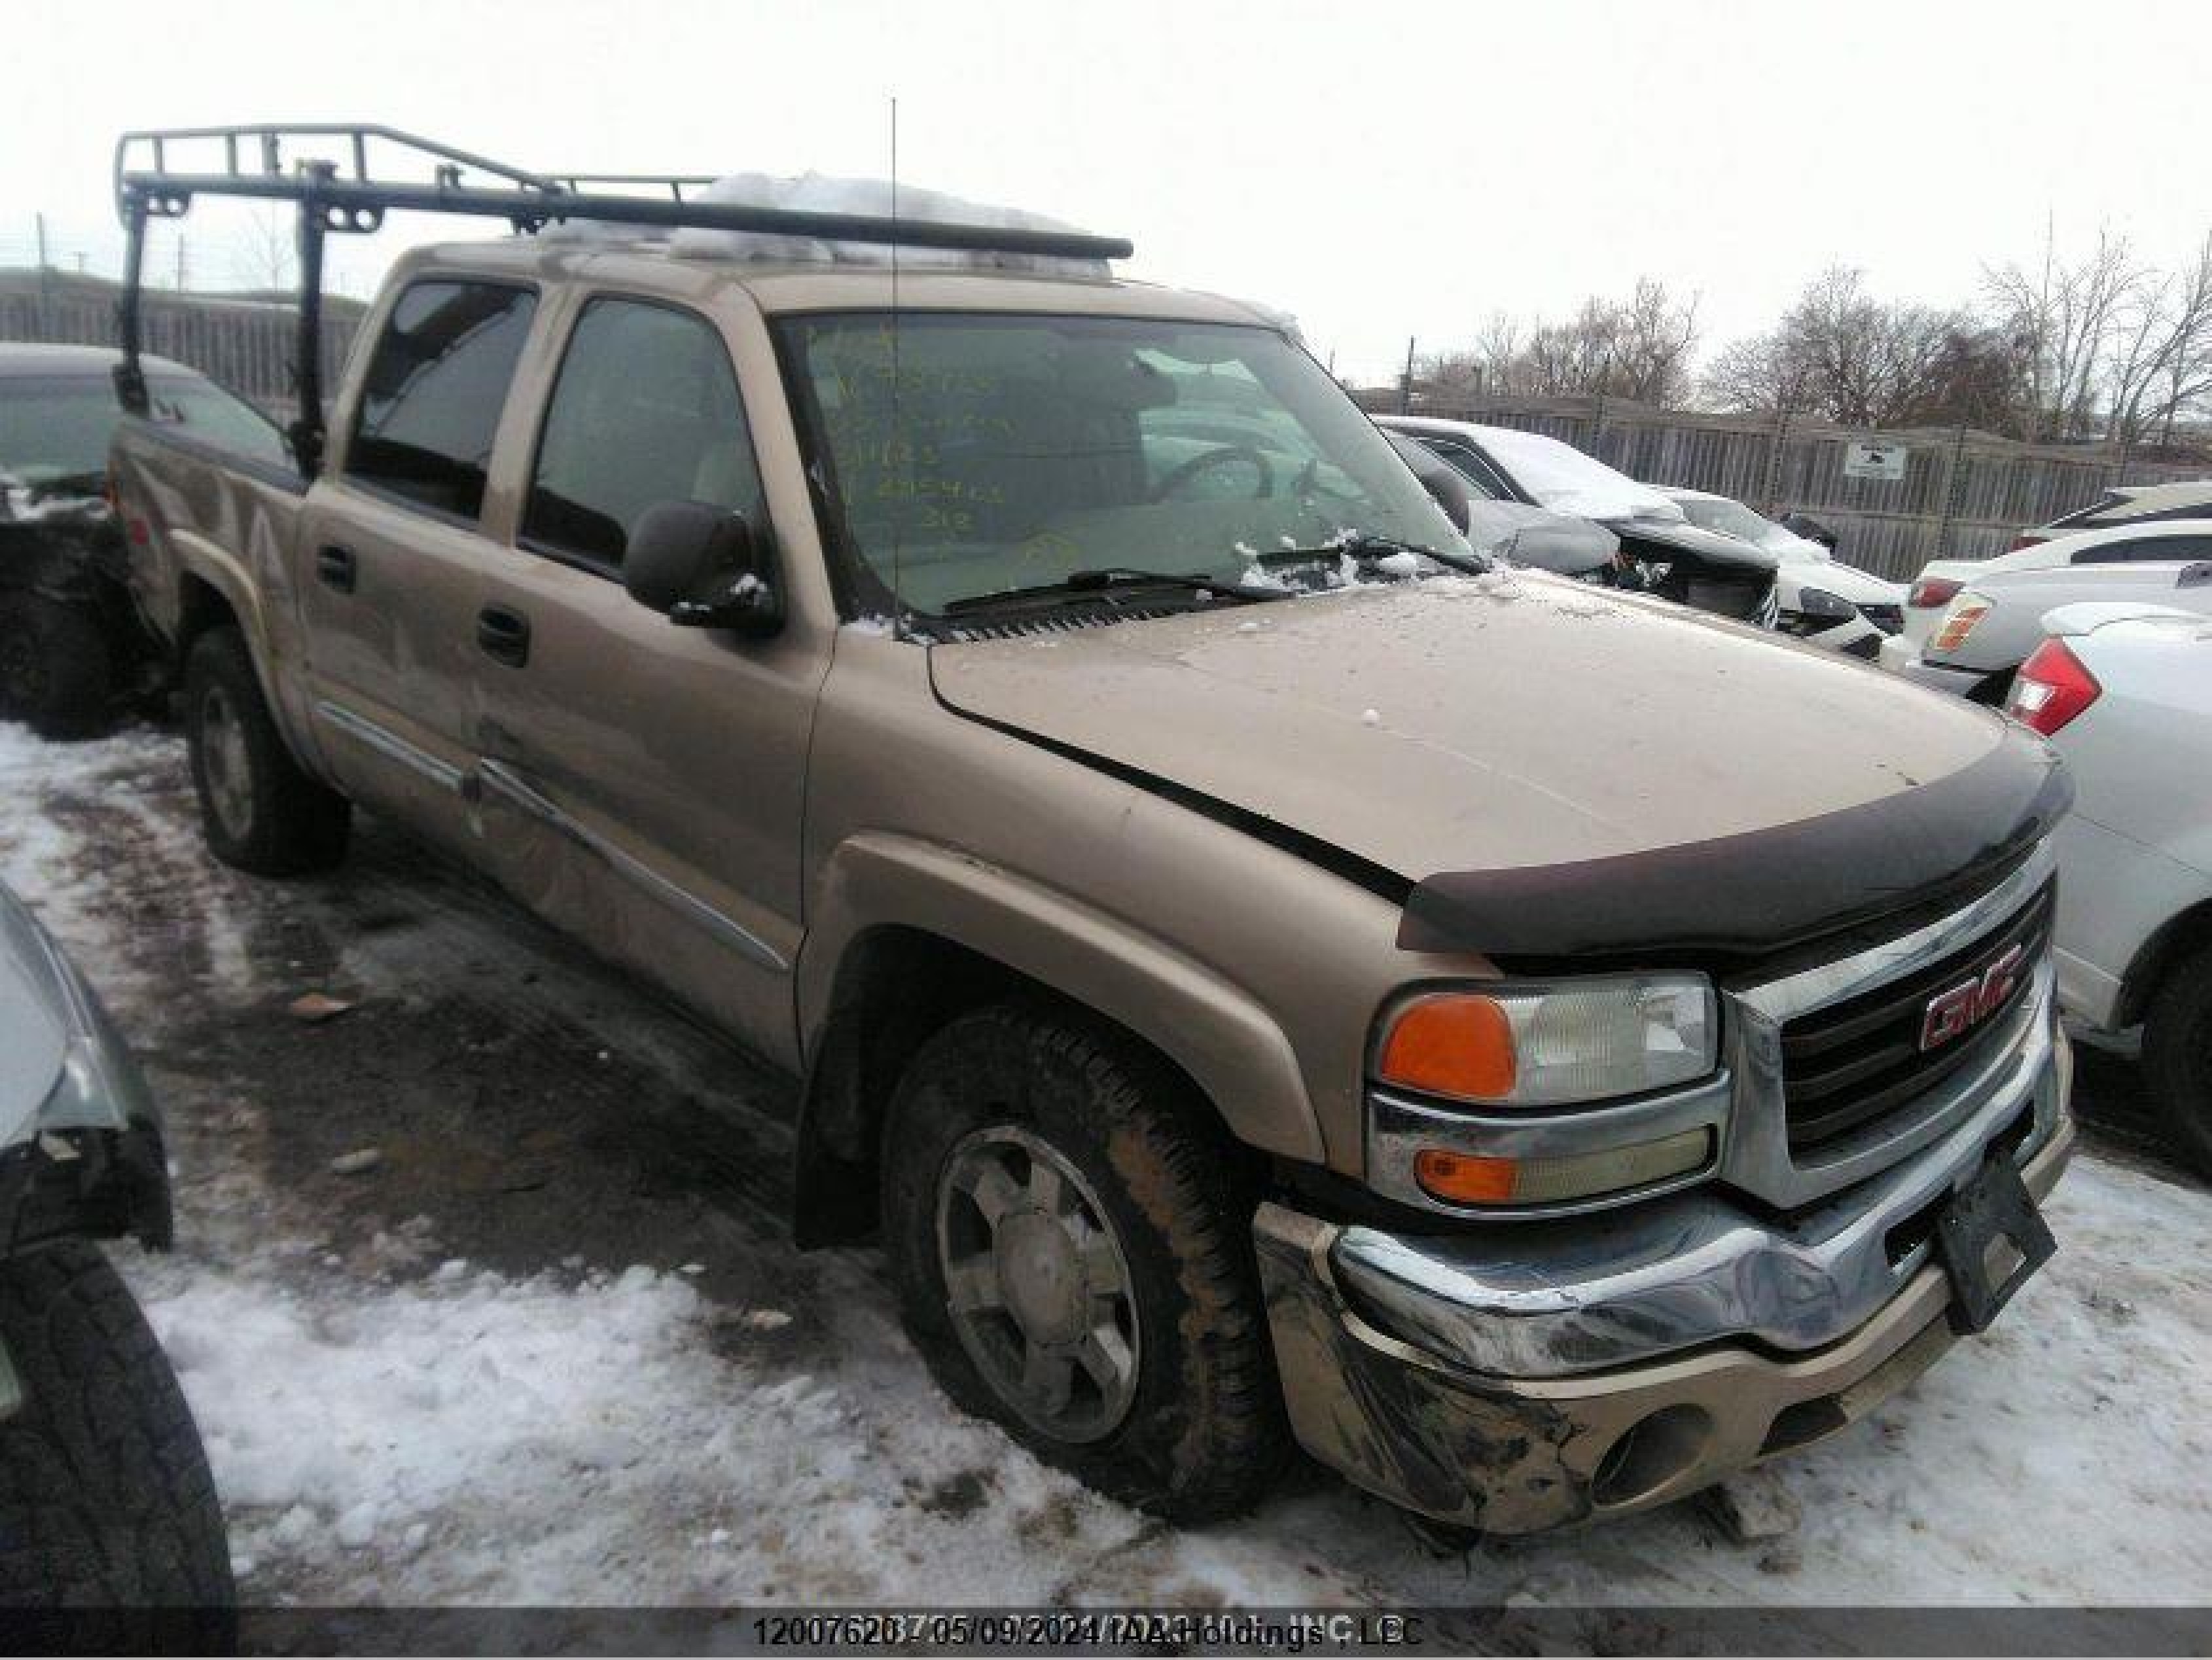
(1189, 470)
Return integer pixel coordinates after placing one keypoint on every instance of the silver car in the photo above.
(106, 1500)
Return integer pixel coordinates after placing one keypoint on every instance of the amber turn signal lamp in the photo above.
(1451, 1043)
(1460, 1179)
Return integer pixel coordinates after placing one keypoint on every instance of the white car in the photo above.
(2127, 506)
(1941, 580)
(2124, 691)
(1661, 550)
(1831, 604)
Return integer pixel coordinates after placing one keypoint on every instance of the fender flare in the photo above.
(1230, 1046)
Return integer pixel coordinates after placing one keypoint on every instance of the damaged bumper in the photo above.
(81, 1146)
(1513, 1381)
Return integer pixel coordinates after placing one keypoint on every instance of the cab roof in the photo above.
(779, 287)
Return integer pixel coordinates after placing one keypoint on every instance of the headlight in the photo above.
(1967, 610)
(1520, 1044)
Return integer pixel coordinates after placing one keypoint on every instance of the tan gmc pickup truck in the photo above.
(1260, 974)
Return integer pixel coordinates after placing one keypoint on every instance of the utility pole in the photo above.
(1406, 386)
(40, 219)
(1772, 488)
(1953, 490)
(181, 261)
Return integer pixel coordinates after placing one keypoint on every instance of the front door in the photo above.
(392, 561)
(643, 783)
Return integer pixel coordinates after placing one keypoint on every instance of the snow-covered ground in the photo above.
(549, 1346)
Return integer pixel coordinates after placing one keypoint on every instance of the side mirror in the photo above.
(702, 567)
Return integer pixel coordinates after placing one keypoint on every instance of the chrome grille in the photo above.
(1849, 1064)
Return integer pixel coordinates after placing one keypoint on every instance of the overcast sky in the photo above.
(1380, 171)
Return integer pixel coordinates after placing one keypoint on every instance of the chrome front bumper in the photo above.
(1519, 1372)
(1544, 1299)
(1387, 1394)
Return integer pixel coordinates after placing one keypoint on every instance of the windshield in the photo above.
(54, 429)
(1020, 450)
(1729, 518)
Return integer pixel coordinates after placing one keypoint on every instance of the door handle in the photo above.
(335, 567)
(503, 635)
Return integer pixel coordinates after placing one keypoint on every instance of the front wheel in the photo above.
(2177, 1055)
(1074, 1259)
(106, 1501)
(259, 810)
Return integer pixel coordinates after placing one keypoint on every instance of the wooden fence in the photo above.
(1963, 494)
(245, 343)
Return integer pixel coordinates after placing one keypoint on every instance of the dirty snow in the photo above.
(390, 1421)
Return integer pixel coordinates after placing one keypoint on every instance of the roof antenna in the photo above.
(898, 429)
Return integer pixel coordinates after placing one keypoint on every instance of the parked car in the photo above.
(1822, 602)
(1990, 628)
(1941, 580)
(2123, 690)
(1512, 531)
(2129, 507)
(106, 1500)
(1253, 973)
(71, 644)
(1661, 550)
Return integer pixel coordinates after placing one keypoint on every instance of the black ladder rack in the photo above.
(159, 173)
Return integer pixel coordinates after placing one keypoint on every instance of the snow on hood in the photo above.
(820, 193)
(1517, 719)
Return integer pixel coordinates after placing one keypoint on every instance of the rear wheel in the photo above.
(106, 1501)
(54, 668)
(2177, 1055)
(1074, 1259)
(258, 809)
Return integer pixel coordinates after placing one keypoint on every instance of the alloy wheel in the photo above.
(1037, 1284)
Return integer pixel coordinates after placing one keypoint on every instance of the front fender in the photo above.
(1229, 1045)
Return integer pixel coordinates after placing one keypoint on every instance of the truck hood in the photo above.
(1502, 723)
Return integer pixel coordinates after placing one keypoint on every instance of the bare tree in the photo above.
(1841, 353)
(266, 258)
(2161, 356)
(1637, 348)
(2064, 319)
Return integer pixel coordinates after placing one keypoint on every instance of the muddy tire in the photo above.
(259, 811)
(105, 1503)
(2177, 1055)
(54, 667)
(1072, 1248)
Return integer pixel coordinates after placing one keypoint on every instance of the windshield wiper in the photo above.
(1367, 548)
(1083, 583)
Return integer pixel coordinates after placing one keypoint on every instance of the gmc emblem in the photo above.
(1966, 1004)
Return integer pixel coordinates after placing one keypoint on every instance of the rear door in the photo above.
(390, 567)
(643, 783)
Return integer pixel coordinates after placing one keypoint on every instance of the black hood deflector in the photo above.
(1761, 894)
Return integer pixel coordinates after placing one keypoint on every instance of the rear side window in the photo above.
(645, 409)
(2137, 548)
(435, 388)
(1480, 475)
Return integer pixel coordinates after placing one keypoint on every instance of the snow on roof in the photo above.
(818, 193)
